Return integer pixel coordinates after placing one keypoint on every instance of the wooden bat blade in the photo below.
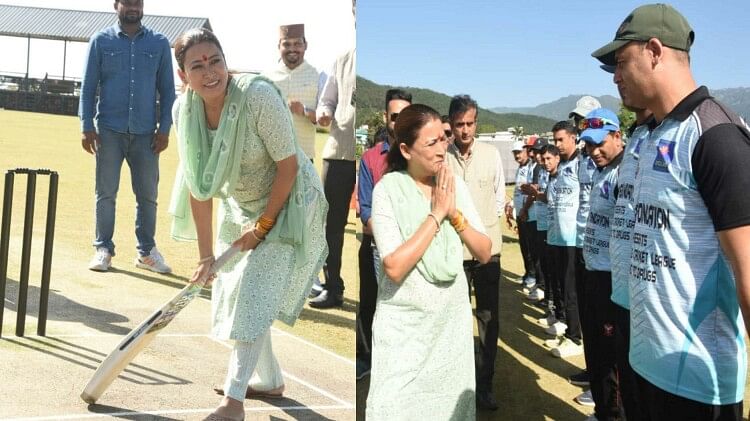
(143, 334)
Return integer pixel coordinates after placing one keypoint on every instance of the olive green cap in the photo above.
(660, 21)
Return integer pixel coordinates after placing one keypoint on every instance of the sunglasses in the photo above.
(394, 116)
(448, 133)
(596, 123)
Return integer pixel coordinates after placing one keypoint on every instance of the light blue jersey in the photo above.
(530, 180)
(542, 219)
(585, 178)
(562, 204)
(522, 177)
(686, 326)
(601, 212)
(621, 242)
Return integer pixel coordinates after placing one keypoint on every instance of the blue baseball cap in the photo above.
(599, 123)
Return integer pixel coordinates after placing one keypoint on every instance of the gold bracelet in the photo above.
(206, 259)
(458, 219)
(252, 232)
(437, 223)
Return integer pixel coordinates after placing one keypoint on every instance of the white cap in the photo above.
(517, 146)
(585, 105)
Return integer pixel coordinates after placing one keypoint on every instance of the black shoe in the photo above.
(486, 400)
(326, 300)
(580, 379)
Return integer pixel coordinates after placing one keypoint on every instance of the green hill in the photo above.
(371, 98)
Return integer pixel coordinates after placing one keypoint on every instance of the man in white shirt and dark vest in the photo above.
(481, 167)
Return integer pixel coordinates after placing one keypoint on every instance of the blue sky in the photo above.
(524, 53)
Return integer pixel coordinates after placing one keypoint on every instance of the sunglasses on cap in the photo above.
(596, 123)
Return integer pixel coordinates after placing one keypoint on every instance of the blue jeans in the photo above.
(144, 171)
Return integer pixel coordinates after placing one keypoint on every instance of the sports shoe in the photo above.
(317, 288)
(153, 262)
(567, 348)
(102, 260)
(529, 282)
(579, 379)
(363, 368)
(547, 321)
(557, 329)
(536, 295)
(585, 398)
(553, 343)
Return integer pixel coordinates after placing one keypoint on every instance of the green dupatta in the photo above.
(444, 257)
(210, 169)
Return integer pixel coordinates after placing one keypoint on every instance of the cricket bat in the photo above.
(139, 337)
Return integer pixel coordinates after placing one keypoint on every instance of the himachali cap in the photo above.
(517, 146)
(296, 30)
(660, 21)
(584, 105)
(597, 136)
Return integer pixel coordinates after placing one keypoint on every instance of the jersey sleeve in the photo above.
(720, 167)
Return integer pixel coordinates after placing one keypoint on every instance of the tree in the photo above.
(627, 118)
(517, 132)
(486, 128)
(374, 122)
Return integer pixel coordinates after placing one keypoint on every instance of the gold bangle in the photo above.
(437, 223)
(252, 232)
(206, 259)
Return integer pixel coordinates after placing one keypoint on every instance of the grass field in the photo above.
(529, 383)
(49, 141)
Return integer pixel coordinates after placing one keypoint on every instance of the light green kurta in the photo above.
(422, 351)
(265, 284)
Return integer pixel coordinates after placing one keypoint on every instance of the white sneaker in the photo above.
(567, 348)
(102, 260)
(557, 329)
(153, 262)
(547, 321)
(585, 399)
(536, 295)
(529, 282)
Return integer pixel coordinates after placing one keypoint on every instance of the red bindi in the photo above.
(205, 57)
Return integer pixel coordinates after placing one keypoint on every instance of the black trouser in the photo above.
(485, 279)
(598, 327)
(625, 375)
(661, 405)
(526, 240)
(338, 185)
(540, 249)
(565, 273)
(368, 294)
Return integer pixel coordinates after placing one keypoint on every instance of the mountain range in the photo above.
(538, 119)
(738, 99)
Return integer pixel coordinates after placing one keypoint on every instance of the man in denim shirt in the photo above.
(129, 64)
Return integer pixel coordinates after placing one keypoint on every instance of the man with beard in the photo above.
(481, 167)
(129, 65)
(299, 83)
(371, 169)
(690, 258)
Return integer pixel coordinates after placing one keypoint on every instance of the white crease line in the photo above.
(302, 382)
(319, 348)
(177, 411)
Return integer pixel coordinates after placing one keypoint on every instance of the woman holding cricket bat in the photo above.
(237, 144)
